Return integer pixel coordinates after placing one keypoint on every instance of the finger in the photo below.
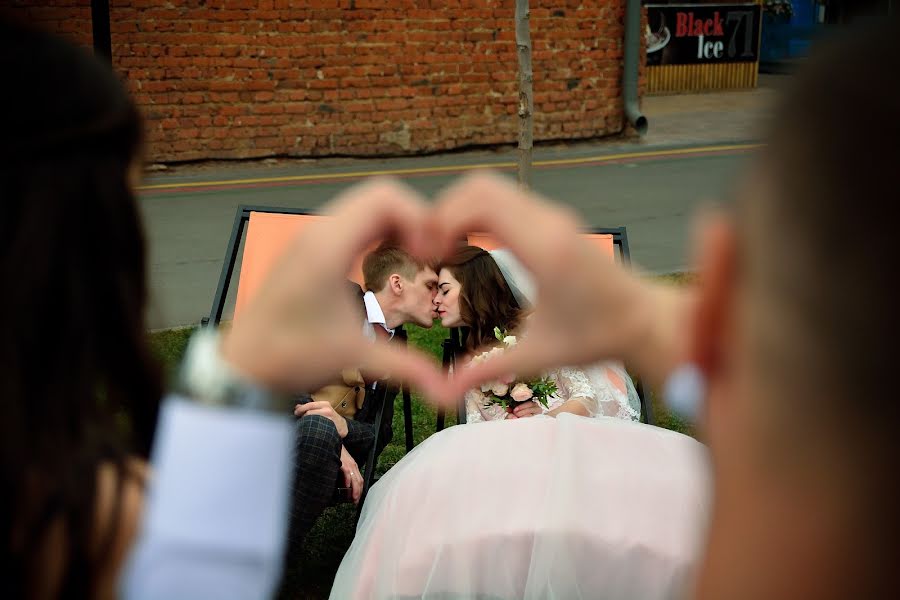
(406, 365)
(322, 254)
(348, 478)
(302, 409)
(524, 409)
(356, 488)
(328, 414)
(486, 202)
(372, 210)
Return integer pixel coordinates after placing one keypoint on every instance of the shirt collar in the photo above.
(374, 313)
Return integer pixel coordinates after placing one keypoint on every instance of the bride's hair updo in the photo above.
(485, 300)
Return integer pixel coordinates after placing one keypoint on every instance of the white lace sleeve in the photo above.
(574, 384)
(477, 412)
(611, 384)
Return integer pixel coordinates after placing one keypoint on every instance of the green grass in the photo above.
(329, 539)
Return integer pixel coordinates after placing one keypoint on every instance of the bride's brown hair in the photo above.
(485, 300)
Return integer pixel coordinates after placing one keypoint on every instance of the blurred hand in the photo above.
(301, 329)
(589, 308)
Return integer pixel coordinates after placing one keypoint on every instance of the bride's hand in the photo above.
(589, 308)
(527, 409)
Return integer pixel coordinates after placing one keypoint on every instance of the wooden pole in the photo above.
(526, 98)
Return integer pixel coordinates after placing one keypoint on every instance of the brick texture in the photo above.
(253, 78)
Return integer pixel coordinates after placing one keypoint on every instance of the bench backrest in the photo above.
(268, 237)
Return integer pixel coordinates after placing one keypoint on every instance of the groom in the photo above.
(330, 442)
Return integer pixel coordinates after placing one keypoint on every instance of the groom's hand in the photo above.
(352, 478)
(323, 409)
(587, 308)
(300, 329)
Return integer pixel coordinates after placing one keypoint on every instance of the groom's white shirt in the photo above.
(375, 317)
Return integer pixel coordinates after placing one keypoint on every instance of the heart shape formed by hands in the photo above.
(297, 332)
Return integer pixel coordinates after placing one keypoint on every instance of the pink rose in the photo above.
(521, 393)
(499, 389)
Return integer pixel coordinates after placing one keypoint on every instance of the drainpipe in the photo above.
(632, 63)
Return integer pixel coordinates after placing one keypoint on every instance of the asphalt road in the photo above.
(653, 192)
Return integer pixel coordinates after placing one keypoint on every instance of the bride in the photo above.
(565, 507)
(481, 290)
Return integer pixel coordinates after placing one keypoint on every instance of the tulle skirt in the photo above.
(534, 508)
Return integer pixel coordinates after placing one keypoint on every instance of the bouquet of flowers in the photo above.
(509, 392)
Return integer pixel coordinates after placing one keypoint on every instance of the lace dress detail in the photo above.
(476, 411)
(618, 400)
(594, 388)
(571, 383)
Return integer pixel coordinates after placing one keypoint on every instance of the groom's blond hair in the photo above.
(384, 261)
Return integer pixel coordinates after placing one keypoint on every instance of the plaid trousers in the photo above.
(317, 475)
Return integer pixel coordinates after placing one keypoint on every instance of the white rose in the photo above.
(499, 388)
(510, 340)
(521, 393)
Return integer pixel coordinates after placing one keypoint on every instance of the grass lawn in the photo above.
(330, 538)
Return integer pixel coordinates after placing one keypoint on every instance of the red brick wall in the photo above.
(253, 78)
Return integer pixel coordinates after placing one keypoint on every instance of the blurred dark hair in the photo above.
(827, 253)
(485, 300)
(78, 383)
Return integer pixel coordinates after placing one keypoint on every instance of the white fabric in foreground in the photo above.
(215, 517)
(534, 508)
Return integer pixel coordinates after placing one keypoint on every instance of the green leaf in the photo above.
(499, 334)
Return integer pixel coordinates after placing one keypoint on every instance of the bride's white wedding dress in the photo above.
(565, 507)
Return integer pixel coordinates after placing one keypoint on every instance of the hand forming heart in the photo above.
(296, 333)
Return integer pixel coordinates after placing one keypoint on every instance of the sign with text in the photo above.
(702, 33)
